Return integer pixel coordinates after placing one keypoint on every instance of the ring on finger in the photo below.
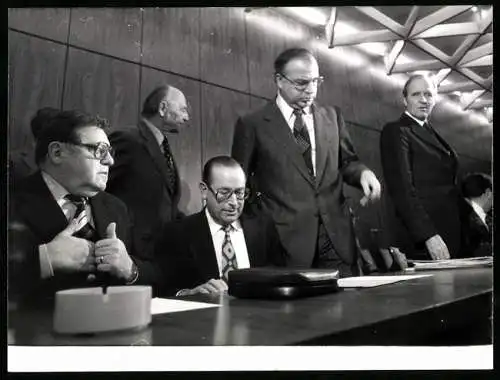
(100, 260)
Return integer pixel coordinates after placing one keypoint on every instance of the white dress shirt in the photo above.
(420, 122)
(237, 240)
(478, 210)
(308, 118)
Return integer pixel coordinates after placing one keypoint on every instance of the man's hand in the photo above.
(209, 287)
(437, 248)
(111, 255)
(68, 253)
(371, 187)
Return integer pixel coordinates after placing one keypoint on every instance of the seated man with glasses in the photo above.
(64, 230)
(196, 253)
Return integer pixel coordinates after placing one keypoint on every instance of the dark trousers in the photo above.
(326, 256)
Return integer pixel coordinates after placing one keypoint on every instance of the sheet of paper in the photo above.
(472, 262)
(371, 281)
(164, 305)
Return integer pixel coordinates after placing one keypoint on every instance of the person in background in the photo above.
(196, 253)
(297, 155)
(420, 170)
(476, 215)
(145, 175)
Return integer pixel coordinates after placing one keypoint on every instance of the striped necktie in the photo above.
(228, 256)
(86, 231)
(302, 138)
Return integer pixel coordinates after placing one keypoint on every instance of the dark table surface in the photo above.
(403, 313)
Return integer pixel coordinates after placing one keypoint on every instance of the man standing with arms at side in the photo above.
(298, 155)
(145, 175)
(420, 171)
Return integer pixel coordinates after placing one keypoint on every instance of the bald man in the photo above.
(145, 175)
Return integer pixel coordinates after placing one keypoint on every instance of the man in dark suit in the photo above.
(145, 176)
(196, 253)
(420, 171)
(64, 230)
(476, 215)
(297, 155)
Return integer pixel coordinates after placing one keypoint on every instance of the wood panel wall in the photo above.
(106, 61)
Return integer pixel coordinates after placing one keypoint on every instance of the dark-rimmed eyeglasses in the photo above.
(224, 193)
(302, 84)
(99, 150)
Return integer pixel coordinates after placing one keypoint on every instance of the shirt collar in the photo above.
(285, 108)
(56, 189)
(215, 227)
(154, 130)
(478, 209)
(420, 122)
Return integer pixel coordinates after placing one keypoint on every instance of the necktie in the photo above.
(171, 172)
(228, 255)
(87, 231)
(302, 138)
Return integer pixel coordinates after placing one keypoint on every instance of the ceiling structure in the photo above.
(452, 43)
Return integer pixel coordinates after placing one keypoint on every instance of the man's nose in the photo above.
(108, 160)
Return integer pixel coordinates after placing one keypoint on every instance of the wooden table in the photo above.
(450, 307)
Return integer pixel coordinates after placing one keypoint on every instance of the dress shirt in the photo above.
(308, 118)
(156, 133)
(237, 240)
(68, 208)
(420, 122)
(478, 210)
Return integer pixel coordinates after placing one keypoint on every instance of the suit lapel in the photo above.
(155, 152)
(100, 215)
(423, 133)
(322, 137)
(202, 248)
(279, 130)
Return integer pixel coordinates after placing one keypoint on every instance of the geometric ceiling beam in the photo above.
(446, 30)
(438, 17)
(382, 19)
(488, 81)
(471, 75)
(330, 27)
(481, 104)
(390, 59)
(487, 60)
(473, 97)
(486, 20)
(365, 36)
(463, 49)
(432, 50)
(478, 52)
(411, 20)
(418, 65)
(459, 86)
(441, 76)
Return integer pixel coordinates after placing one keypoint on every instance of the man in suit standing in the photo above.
(420, 171)
(64, 230)
(196, 253)
(297, 155)
(476, 215)
(145, 175)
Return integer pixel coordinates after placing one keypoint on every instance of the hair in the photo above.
(411, 79)
(152, 102)
(288, 55)
(63, 127)
(42, 118)
(221, 161)
(475, 185)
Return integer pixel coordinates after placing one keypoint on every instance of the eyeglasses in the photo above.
(302, 84)
(223, 194)
(99, 150)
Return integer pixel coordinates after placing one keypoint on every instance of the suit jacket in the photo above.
(476, 236)
(264, 145)
(420, 171)
(186, 253)
(139, 178)
(36, 218)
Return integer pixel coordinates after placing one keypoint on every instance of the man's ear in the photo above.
(203, 190)
(162, 108)
(55, 152)
(405, 102)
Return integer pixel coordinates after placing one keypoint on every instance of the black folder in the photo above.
(281, 283)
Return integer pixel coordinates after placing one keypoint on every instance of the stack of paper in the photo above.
(472, 262)
(371, 281)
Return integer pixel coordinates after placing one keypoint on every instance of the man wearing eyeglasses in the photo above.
(64, 230)
(297, 155)
(197, 253)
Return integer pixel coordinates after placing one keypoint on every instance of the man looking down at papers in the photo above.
(196, 254)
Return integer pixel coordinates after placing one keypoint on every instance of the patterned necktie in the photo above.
(228, 255)
(302, 138)
(171, 172)
(87, 231)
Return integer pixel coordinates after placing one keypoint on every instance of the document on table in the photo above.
(372, 281)
(472, 262)
(165, 305)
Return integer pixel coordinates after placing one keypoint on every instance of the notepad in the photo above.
(471, 262)
(165, 305)
(372, 281)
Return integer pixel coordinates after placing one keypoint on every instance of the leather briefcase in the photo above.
(281, 283)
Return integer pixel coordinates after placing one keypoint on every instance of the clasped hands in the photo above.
(68, 253)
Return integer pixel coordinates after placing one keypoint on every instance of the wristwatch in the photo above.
(134, 274)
